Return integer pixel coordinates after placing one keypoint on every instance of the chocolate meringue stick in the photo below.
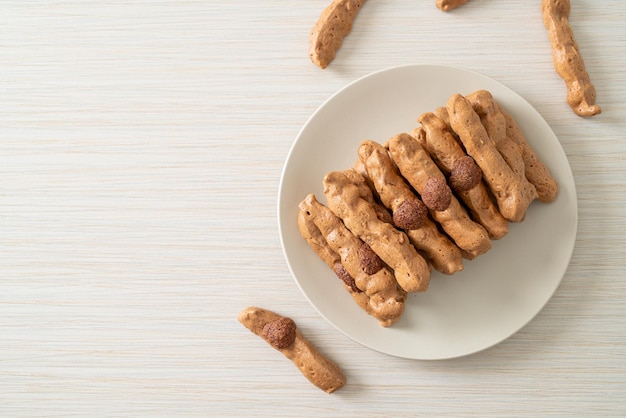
(409, 213)
(282, 334)
(465, 177)
(447, 5)
(568, 62)
(334, 24)
(513, 197)
(370, 283)
(343, 197)
(422, 173)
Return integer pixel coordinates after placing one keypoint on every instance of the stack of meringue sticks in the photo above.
(424, 200)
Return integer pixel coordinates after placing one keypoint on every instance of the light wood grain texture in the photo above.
(141, 145)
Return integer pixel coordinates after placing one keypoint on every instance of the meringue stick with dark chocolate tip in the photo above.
(375, 281)
(496, 126)
(513, 197)
(410, 269)
(409, 213)
(282, 334)
(434, 135)
(421, 172)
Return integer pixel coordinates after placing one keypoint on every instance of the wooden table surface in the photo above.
(141, 147)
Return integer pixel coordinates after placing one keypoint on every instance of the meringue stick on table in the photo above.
(283, 335)
(447, 5)
(567, 59)
(333, 25)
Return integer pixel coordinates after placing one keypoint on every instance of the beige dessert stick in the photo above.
(421, 172)
(568, 61)
(443, 148)
(512, 197)
(447, 5)
(282, 334)
(411, 271)
(536, 171)
(333, 25)
(409, 213)
(513, 146)
(375, 289)
(495, 124)
(465, 177)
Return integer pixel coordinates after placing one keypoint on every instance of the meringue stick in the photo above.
(418, 168)
(513, 197)
(320, 246)
(567, 59)
(409, 213)
(333, 25)
(411, 271)
(312, 235)
(447, 5)
(443, 148)
(283, 335)
(375, 289)
(536, 171)
(495, 124)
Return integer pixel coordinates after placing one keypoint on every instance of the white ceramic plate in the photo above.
(497, 293)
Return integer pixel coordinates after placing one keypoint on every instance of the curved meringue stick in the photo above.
(568, 62)
(319, 370)
(333, 25)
